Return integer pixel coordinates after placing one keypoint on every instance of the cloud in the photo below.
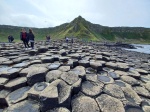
(50, 13)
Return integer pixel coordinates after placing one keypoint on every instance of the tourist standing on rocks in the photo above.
(10, 38)
(31, 38)
(66, 39)
(48, 38)
(72, 40)
(24, 38)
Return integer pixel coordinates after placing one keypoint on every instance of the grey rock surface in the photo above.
(84, 103)
(17, 95)
(24, 106)
(60, 109)
(114, 91)
(16, 83)
(73, 77)
(105, 79)
(36, 74)
(107, 103)
(10, 73)
(53, 75)
(131, 95)
(130, 80)
(36, 89)
(64, 68)
(142, 91)
(69, 77)
(92, 88)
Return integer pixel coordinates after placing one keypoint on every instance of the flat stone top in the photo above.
(16, 81)
(37, 70)
(50, 91)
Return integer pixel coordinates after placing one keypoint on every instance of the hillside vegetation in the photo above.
(82, 29)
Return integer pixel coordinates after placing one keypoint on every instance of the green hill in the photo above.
(83, 29)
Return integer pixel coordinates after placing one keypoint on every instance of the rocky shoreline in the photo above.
(78, 77)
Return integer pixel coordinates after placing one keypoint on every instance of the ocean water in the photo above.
(141, 48)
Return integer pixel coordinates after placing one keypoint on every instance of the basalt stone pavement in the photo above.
(78, 77)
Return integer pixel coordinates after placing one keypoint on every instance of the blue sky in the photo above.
(50, 13)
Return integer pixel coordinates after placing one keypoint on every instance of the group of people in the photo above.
(27, 37)
(67, 40)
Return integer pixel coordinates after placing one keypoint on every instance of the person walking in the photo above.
(24, 38)
(31, 38)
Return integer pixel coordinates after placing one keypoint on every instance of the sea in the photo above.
(141, 48)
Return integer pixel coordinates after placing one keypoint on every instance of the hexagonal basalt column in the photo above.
(53, 75)
(16, 83)
(59, 109)
(84, 104)
(10, 73)
(84, 63)
(24, 106)
(92, 89)
(107, 103)
(70, 77)
(17, 95)
(36, 90)
(47, 59)
(58, 92)
(36, 74)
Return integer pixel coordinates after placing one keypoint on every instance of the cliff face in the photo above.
(83, 29)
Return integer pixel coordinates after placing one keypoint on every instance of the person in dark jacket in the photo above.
(48, 38)
(24, 38)
(31, 38)
(72, 40)
(9, 39)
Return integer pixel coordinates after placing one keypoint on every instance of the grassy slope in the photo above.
(85, 30)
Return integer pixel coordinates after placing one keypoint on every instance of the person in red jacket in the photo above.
(24, 37)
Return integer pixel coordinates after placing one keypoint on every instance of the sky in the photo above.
(51, 13)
